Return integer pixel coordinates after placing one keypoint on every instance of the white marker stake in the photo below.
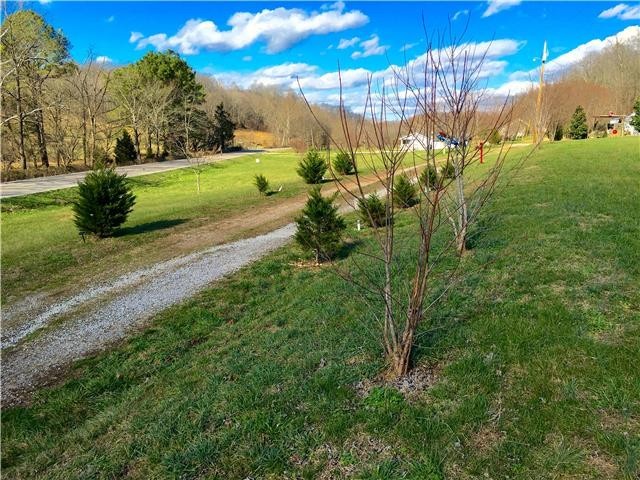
(359, 225)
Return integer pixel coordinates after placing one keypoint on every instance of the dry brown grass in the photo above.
(255, 139)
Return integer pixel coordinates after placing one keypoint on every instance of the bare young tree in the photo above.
(158, 99)
(436, 98)
(128, 90)
(90, 83)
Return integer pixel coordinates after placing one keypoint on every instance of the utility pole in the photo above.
(538, 127)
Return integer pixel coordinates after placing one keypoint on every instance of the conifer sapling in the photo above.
(405, 193)
(105, 200)
(320, 227)
(312, 167)
(262, 184)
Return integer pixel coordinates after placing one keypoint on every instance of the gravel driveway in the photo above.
(56, 182)
(106, 313)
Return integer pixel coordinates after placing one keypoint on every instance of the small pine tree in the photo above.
(495, 138)
(578, 128)
(429, 178)
(635, 120)
(312, 167)
(105, 200)
(372, 210)
(125, 150)
(448, 171)
(320, 227)
(558, 133)
(405, 193)
(344, 164)
(262, 184)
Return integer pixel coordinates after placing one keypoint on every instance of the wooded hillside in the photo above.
(58, 114)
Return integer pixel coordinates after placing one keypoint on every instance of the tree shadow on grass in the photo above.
(479, 232)
(347, 248)
(148, 227)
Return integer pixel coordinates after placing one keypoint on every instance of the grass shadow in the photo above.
(346, 249)
(477, 234)
(148, 227)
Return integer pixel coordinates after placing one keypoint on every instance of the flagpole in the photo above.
(538, 130)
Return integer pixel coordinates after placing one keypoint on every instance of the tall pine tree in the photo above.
(125, 150)
(222, 128)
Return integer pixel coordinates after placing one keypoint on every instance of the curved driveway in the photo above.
(56, 182)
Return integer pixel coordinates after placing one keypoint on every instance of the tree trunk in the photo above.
(21, 150)
(85, 146)
(42, 141)
(92, 150)
(136, 138)
(463, 217)
(149, 137)
(401, 360)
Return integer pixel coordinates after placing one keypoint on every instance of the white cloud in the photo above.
(408, 46)
(520, 80)
(370, 47)
(495, 6)
(564, 61)
(247, 58)
(622, 11)
(459, 14)
(346, 43)
(510, 88)
(111, 19)
(104, 59)
(332, 80)
(279, 29)
(135, 36)
(283, 75)
(324, 87)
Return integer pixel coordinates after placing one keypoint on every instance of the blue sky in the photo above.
(269, 42)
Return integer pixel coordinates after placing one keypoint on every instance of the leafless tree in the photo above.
(90, 83)
(128, 89)
(440, 95)
(158, 99)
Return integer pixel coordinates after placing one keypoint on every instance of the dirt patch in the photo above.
(620, 423)
(347, 461)
(588, 223)
(412, 385)
(603, 465)
(487, 438)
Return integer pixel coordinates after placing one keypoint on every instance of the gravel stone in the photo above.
(109, 312)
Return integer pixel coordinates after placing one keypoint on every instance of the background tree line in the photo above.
(604, 81)
(56, 112)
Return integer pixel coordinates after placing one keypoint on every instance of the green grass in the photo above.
(41, 247)
(39, 240)
(536, 359)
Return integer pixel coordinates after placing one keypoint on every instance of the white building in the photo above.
(417, 141)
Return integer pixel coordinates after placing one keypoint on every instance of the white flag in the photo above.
(545, 52)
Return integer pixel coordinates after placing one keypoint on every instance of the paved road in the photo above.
(56, 182)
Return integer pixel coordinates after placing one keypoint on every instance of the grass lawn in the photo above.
(535, 359)
(41, 247)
